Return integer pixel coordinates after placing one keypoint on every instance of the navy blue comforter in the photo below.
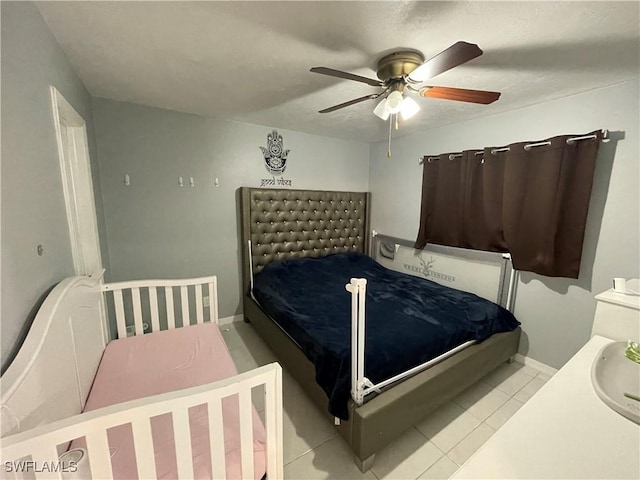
(409, 320)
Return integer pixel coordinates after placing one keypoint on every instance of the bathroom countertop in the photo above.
(563, 431)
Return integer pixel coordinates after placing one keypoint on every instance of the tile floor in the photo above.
(433, 449)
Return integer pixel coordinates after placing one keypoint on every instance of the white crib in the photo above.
(46, 387)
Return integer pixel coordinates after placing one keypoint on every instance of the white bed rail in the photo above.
(358, 289)
(361, 386)
(489, 275)
(196, 295)
(34, 449)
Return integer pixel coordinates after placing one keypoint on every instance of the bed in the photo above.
(164, 400)
(280, 226)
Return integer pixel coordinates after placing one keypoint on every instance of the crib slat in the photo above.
(213, 301)
(143, 443)
(273, 424)
(137, 311)
(184, 300)
(45, 453)
(182, 438)
(199, 304)
(120, 320)
(171, 321)
(98, 452)
(246, 433)
(216, 439)
(153, 307)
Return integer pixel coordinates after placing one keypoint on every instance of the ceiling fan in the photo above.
(406, 71)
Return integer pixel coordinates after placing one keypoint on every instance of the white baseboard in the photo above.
(542, 367)
(231, 319)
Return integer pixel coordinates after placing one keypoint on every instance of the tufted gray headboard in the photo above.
(301, 223)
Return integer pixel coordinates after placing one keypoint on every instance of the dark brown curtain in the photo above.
(530, 202)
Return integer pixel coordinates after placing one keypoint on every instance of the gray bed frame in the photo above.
(280, 224)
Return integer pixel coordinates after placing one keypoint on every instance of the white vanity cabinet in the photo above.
(565, 431)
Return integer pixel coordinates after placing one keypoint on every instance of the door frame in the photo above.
(77, 185)
(79, 199)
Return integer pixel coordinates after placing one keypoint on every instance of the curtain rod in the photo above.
(527, 147)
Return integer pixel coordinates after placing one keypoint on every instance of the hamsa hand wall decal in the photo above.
(275, 156)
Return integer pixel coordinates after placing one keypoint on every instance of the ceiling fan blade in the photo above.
(455, 55)
(346, 75)
(351, 102)
(460, 94)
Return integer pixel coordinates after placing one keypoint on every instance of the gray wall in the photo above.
(156, 229)
(33, 210)
(556, 314)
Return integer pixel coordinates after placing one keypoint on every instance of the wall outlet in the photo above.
(205, 301)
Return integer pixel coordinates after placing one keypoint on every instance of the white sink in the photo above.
(613, 375)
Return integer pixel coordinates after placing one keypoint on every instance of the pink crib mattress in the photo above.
(160, 362)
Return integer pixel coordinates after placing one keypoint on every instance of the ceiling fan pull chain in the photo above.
(390, 123)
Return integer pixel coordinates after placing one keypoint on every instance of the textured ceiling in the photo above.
(249, 61)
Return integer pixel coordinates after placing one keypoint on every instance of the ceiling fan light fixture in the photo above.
(409, 108)
(394, 102)
(381, 109)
